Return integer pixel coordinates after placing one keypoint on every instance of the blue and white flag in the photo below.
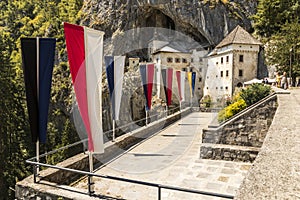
(114, 73)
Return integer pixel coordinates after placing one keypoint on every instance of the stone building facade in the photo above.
(231, 63)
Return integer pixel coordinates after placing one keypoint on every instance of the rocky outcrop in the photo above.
(205, 21)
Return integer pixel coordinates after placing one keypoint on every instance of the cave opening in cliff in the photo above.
(159, 19)
(156, 18)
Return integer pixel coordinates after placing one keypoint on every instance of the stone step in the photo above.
(228, 152)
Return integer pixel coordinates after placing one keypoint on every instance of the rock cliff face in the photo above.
(205, 21)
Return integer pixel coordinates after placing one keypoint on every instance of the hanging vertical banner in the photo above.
(189, 76)
(157, 77)
(85, 51)
(147, 75)
(167, 75)
(38, 60)
(114, 74)
(180, 75)
(193, 82)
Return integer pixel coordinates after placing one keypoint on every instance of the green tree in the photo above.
(273, 14)
(32, 18)
(283, 49)
(277, 22)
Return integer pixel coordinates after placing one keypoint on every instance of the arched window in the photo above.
(239, 84)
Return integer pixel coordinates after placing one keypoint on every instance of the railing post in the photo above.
(91, 185)
(35, 173)
(159, 193)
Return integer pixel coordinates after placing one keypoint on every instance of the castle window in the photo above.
(200, 69)
(222, 60)
(226, 87)
(217, 63)
(216, 88)
(200, 59)
(133, 62)
(199, 88)
(184, 60)
(240, 72)
(227, 59)
(200, 79)
(241, 58)
(221, 88)
(221, 73)
(227, 73)
(192, 60)
(177, 60)
(169, 60)
(183, 69)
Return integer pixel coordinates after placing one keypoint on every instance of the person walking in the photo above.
(278, 83)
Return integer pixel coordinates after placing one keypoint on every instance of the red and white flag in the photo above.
(85, 52)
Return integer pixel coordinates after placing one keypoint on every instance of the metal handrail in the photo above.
(150, 184)
(91, 174)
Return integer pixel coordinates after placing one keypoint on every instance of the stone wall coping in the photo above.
(233, 147)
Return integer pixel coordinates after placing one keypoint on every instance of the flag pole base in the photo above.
(91, 184)
(114, 131)
(166, 111)
(36, 170)
(146, 117)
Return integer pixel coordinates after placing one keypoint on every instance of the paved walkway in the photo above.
(171, 157)
(276, 171)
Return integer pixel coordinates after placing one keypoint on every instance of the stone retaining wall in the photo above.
(228, 152)
(247, 129)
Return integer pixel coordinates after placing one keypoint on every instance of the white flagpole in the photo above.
(166, 110)
(114, 133)
(90, 181)
(38, 81)
(146, 117)
(179, 106)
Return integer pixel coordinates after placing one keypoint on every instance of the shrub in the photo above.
(231, 110)
(254, 93)
(244, 98)
(207, 101)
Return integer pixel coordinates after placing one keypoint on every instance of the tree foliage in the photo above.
(278, 23)
(32, 18)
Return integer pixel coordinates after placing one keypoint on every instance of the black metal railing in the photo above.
(36, 165)
(149, 184)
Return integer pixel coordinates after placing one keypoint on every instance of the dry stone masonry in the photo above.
(240, 138)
